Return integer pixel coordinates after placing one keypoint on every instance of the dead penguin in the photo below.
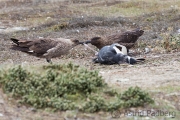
(45, 47)
(111, 54)
(126, 39)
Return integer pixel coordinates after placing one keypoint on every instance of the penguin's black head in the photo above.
(130, 60)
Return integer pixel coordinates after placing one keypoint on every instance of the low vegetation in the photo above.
(68, 87)
(171, 42)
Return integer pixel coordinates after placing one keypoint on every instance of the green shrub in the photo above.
(94, 104)
(134, 97)
(67, 87)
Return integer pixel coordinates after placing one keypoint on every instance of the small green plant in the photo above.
(174, 42)
(15, 77)
(134, 97)
(67, 87)
(59, 27)
(171, 41)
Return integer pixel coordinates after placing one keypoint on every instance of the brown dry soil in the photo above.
(159, 74)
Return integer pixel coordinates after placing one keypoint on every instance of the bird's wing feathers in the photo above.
(41, 46)
(60, 48)
(125, 37)
(21, 43)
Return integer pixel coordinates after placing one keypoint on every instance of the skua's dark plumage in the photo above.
(126, 39)
(45, 47)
